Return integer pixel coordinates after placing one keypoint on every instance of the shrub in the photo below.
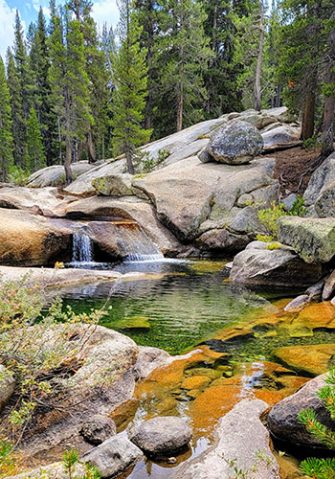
(23, 324)
(269, 219)
(319, 468)
(18, 176)
(298, 207)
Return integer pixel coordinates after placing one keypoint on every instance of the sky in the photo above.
(103, 11)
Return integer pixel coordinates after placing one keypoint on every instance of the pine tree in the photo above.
(69, 86)
(130, 78)
(19, 124)
(98, 79)
(35, 149)
(108, 46)
(300, 58)
(222, 72)
(6, 138)
(39, 64)
(182, 58)
(149, 17)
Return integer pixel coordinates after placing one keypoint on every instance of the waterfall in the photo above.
(135, 244)
(82, 248)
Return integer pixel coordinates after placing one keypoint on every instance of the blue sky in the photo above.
(103, 11)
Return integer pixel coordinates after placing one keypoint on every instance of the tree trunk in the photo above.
(92, 158)
(129, 157)
(180, 108)
(308, 113)
(68, 161)
(259, 64)
(327, 137)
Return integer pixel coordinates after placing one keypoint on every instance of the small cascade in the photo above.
(136, 245)
(82, 248)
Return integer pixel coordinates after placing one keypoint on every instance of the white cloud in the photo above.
(7, 18)
(105, 11)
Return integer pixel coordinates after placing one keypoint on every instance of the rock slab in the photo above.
(243, 445)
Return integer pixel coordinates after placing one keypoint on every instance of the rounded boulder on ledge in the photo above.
(235, 143)
(161, 436)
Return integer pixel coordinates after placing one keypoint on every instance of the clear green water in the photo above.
(174, 312)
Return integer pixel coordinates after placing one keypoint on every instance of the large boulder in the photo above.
(7, 386)
(320, 180)
(55, 175)
(283, 417)
(312, 238)
(113, 456)
(243, 448)
(30, 240)
(161, 436)
(235, 143)
(263, 264)
(192, 198)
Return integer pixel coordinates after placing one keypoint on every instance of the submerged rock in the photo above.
(243, 445)
(161, 436)
(312, 238)
(280, 267)
(113, 456)
(298, 303)
(235, 143)
(313, 359)
(283, 417)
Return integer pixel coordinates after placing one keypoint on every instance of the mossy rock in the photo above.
(135, 322)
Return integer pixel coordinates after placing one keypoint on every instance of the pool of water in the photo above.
(184, 303)
(231, 332)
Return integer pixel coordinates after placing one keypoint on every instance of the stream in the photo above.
(230, 334)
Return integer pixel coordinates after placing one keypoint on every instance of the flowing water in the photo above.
(82, 248)
(232, 336)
